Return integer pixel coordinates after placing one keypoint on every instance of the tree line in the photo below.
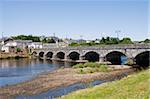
(102, 41)
(107, 41)
(33, 38)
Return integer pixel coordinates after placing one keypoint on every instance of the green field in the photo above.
(135, 86)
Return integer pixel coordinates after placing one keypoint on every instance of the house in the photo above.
(3, 39)
(97, 41)
(42, 38)
(1, 47)
(11, 45)
(50, 45)
(36, 45)
(69, 41)
(88, 41)
(81, 41)
(22, 43)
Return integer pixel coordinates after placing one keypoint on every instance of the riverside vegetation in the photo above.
(135, 86)
(91, 67)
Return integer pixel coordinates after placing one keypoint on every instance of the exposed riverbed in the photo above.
(51, 81)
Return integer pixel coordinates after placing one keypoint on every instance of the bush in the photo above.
(78, 66)
(91, 67)
(103, 68)
(18, 50)
(129, 62)
(89, 64)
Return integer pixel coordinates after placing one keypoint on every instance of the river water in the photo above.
(14, 71)
(19, 70)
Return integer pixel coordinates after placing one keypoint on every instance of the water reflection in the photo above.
(18, 70)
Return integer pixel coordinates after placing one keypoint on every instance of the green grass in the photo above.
(89, 64)
(135, 86)
(91, 67)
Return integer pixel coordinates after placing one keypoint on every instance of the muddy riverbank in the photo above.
(58, 78)
(4, 55)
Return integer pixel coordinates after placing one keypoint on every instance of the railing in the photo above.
(100, 47)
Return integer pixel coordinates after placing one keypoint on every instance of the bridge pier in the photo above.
(101, 59)
(130, 61)
(66, 57)
(81, 57)
(44, 57)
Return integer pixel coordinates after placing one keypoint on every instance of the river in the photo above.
(14, 71)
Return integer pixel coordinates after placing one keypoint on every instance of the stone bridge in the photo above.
(114, 53)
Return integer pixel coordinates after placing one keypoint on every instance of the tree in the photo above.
(18, 50)
(29, 37)
(147, 41)
(48, 40)
(74, 44)
(103, 40)
(51, 41)
(44, 40)
(114, 40)
(126, 41)
(109, 40)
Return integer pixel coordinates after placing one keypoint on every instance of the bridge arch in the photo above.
(136, 52)
(34, 53)
(60, 55)
(74, 55)
(143, 59)
(41, 54)
(115, 57)
(49, 54)
(91, 56)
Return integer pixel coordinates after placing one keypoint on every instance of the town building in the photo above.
(35, 45)
(11, 45)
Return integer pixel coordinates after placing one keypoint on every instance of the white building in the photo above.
(36, 45)
(11, 45)
(0, 47)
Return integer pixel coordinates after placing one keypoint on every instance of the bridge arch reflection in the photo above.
(34, 53)
(41, 54)
(49, 55)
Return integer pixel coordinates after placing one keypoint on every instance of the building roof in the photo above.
(37, 43)
(23, 41)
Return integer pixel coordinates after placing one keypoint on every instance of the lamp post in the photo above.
(117, 32)
(81, 36)
(101, 35)
(2, 34)
(54, 34)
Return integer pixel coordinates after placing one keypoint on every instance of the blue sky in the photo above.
(90, 19)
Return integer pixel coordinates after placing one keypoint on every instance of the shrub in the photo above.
(81, 71)
(18, 50)
(103, 68)
(78, 66)
(91, 67)
(129, 62)
(89, 64)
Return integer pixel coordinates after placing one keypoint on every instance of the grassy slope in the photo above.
(136, 86)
